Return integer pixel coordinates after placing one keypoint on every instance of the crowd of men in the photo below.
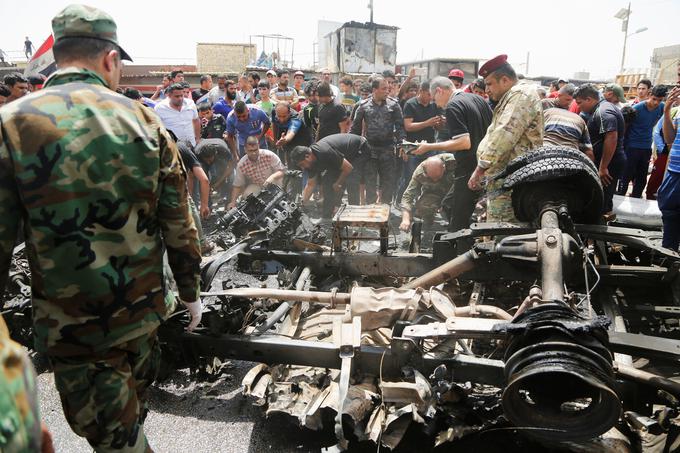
(466, 134)
(100, 185)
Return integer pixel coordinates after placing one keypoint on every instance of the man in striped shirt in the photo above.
(282, 91)
(564, 128)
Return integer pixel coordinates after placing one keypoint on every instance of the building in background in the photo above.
(324, 27)
(357, 47)
(428, 69)
(664, 63)
(224, 57)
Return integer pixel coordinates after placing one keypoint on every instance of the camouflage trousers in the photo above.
(197, 220)
(19, 412)
(103, 396)
(427, 206)
(499, 208)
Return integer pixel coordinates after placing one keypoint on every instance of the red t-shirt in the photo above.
(574, 108)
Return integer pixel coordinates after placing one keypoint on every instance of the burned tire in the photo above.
(555, 176)
(544, 152)
(550, 168)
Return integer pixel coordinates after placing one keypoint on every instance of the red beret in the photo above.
(456, 73)
(493, 64)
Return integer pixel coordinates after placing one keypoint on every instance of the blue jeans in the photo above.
(669, 204)
(615, 167)
(637, 165)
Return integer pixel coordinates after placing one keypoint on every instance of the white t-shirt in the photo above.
(336, 93)
(180, 122)
(215, 94)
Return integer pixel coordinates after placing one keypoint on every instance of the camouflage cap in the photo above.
(82, 21)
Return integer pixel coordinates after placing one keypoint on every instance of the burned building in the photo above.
(360, 48)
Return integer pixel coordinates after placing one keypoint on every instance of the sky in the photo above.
(560, 37)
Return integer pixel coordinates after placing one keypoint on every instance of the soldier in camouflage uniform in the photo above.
(516, 127)
(102, 192)
(20, 427)
(381, 118)
(431, 181)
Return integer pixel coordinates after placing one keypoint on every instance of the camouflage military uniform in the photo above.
(102, 191)
(424, 195)
(517, 126)
(384, 127)
(19, 415)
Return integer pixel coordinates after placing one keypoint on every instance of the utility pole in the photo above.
(370, 6)
(527, 68)
(625, 36)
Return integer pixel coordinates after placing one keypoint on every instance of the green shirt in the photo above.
(101, 190)
(266, 106)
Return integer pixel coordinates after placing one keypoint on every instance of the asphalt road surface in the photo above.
(186, 416)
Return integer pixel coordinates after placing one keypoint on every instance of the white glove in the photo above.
(196, 311)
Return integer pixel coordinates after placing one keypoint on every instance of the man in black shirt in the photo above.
(213, 125)
(606, 129)
(420, 118)
(195, 173)
(196, 177)
(467, 117)
(332, 116)
(332, 160)
(206, 85)
(216, 160)
(310, 112)
(28, 48)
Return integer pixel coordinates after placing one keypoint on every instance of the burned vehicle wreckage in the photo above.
(559, 330)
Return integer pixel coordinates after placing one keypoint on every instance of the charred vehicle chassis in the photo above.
(561, 328)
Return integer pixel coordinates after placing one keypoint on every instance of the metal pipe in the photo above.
(534, 298)
(284, 308)
(445, 272)
(284, 294)
(645, 377)
(331, 299)
(550, 245)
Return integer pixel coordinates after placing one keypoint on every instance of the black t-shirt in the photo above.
(310, 118)
(419, 113)
(606, 118)
(331, 150)
(198, 94)
(443, 132)
(214, 145)
(467, 113)
(329, 117)
(188, 157)
(215, 128)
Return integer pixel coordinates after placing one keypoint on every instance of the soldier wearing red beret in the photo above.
(516, 127)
